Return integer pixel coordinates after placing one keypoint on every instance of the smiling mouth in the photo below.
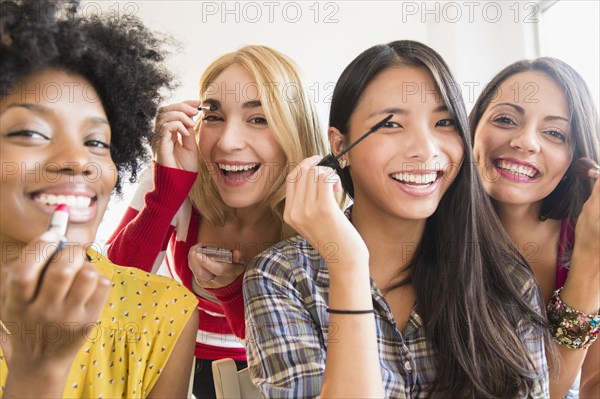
(517, 169)
(416, 180)
(72, 201)
(238, 172)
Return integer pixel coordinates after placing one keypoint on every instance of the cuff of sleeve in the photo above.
(229, 292)
(172, 185)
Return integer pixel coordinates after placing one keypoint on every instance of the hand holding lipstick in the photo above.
(67, 300)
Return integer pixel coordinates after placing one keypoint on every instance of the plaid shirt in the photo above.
(287, 330)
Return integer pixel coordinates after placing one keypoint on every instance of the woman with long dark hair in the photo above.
(531, 124)
(415, 291)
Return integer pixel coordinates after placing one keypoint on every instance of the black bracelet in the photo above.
(337, 311)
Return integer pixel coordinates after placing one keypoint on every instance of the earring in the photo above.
(343, 163)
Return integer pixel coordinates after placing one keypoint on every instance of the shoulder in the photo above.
(138, 286)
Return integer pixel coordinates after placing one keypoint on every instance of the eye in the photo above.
(556, 136)
(446, 122)
(504, 120)
(391, 125)
(97, 144)
(28, 134)
(258, 120)
(212, 118)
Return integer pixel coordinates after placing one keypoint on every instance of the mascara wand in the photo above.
(332, 161)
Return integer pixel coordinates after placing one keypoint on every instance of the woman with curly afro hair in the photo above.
(77, 100)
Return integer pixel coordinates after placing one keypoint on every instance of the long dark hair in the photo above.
(467, 276)
(566, 200)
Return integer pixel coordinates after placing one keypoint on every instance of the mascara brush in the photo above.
(333, 161)
(586, 168)
(211, 107)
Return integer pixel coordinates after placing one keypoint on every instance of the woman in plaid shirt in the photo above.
(415, 291)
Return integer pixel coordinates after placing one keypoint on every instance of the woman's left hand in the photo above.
(210, 273)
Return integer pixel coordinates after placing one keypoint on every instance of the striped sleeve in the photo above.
(142, 236)
(286, 356)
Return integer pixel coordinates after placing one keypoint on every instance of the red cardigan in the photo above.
(161, 224)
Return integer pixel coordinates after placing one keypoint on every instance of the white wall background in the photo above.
(477, 39)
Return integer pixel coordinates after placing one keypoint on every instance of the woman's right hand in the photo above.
(311, 209)
(49, 326)
(171, 122)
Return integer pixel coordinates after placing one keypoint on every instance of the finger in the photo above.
(188, 107)
(171, 130)
(238, 258)
(23, 274)
(298, 203)
(83, 285)
(189, 142)
(97, 300)
(175, 117)
(291, 183)
(311, 186)
(59, 276)
(197, 265)
(328, 179)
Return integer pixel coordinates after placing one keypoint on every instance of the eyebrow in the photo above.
(521, 110)
(400, 111)
(247, 104)
(40, 109)
(252, 104)
(31, 107)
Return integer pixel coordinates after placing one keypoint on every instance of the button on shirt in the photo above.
(286, 295)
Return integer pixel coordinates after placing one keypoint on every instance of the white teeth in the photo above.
(426, 178)
(516, 168)
(72, 201)
(236, 168)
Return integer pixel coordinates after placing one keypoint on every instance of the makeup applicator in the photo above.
(333, 161)
(211, 107)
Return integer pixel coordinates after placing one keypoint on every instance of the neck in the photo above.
(391, 241)
(253, 219)
(518, 218)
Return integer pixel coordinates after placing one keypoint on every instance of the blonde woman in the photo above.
(221, 187)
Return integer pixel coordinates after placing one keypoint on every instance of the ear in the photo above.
(336, 140)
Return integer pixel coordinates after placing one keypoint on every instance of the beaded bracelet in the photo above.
(339, 311)
(571, 328)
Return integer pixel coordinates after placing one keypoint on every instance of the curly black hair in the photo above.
(118, 55)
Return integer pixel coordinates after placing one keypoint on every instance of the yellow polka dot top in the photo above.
(124, 354)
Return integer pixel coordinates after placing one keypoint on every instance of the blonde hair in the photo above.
(290, 115)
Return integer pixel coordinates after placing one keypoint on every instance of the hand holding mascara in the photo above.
(332, 161)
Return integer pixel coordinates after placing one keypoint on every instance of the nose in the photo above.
(526, 140)
(71, 157)
(232, 137)
(421, 145)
